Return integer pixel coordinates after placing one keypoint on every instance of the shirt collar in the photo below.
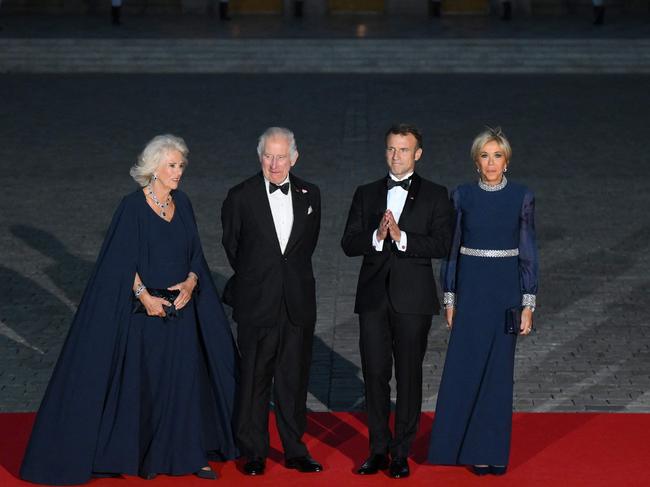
(394, 178)
(267, 183)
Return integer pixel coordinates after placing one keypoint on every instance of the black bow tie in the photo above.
(282, 187)
(404, 183)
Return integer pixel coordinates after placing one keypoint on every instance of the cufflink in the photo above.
(310, 210)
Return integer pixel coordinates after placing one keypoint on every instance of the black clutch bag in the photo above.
(167, 295)
(513, 320)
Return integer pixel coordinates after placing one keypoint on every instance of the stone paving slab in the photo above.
(67, 142)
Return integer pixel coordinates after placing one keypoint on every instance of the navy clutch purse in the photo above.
(167, 295)
(513, 320)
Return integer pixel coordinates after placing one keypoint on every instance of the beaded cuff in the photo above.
(529, 300)
(449, 300)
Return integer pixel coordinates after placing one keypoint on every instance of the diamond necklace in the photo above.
(494, 187)
(157, 202)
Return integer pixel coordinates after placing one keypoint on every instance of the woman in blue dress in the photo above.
(492, 268)
(144, 384)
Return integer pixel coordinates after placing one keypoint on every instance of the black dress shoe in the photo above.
(304, 464)
(498, 469)
(373, 464)
(480, 470)
(106, 475)
(399, 468)
(254, 466)
(207, 474)
(147, 476)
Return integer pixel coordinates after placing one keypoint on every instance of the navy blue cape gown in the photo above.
(132, 393)
(473, 418)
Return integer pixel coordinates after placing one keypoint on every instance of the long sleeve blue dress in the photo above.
(492, 267)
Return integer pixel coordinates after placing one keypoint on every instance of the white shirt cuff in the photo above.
(401, 245)
(377, 244)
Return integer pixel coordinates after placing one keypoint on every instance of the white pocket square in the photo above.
(310, 210)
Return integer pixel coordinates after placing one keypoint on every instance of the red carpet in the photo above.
(564, 449)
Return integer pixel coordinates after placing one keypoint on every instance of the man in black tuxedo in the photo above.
(270, 228)
(398, 223)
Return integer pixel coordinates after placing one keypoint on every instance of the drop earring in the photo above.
(505, 169)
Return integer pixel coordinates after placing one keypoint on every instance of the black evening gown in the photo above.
(132, 393)
(473, 417)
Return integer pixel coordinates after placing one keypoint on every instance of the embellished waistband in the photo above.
(489, 252)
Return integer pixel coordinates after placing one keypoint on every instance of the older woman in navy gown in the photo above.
(144, 384)
(492, 268)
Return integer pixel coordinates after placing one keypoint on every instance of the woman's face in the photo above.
(170, 170)
(491, 162)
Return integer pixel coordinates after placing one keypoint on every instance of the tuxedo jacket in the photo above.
(264, 277)
(406, 277)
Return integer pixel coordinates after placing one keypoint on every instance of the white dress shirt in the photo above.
(282, 211)
(395, 200)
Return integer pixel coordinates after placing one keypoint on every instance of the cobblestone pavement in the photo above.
(67, 142)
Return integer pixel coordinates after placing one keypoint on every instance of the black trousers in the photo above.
(386, 334)
(278, 355)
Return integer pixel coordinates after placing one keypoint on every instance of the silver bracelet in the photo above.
(140, 289)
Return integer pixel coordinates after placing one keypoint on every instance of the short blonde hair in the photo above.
(152, 155)
(490, 135)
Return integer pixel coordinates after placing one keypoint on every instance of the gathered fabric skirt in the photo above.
(473, 419)
(161, 421)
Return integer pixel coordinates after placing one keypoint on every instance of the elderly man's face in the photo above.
(401, 154)
(276, 159)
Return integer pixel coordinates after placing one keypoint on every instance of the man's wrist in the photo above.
(377, 244)
(402, 242)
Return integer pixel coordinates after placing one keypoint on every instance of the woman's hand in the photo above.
(449, 315)
(153, 305)
(186, 289)
(526, 325)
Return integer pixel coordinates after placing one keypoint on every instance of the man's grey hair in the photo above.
(153, 154)
(272, 132)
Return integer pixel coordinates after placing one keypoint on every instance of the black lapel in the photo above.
(300, 203)
(381, 195)
(416, 182)
(261, 207)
